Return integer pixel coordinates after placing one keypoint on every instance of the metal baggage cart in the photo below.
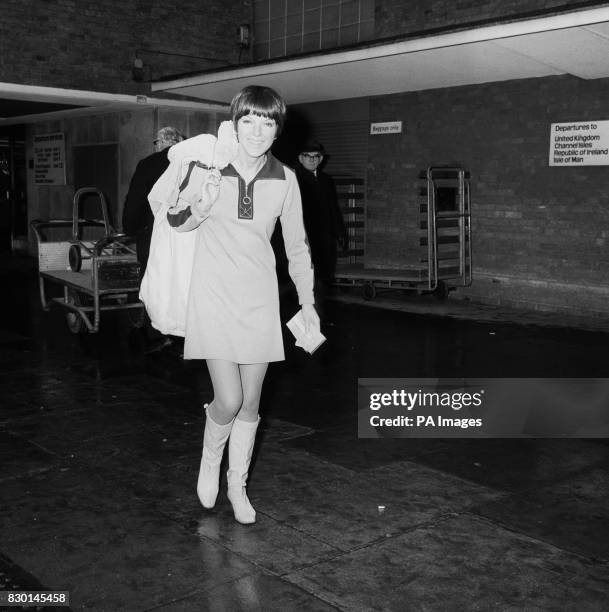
(96, 267)
(445, 239)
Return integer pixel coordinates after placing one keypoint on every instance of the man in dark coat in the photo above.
(137, 214)
(322, 217)
(138, 219)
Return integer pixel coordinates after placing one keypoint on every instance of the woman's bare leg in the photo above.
(228, 394)
(252, 377)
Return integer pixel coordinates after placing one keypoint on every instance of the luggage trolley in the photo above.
(444, 239)
(96, 275)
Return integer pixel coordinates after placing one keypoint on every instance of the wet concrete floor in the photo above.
(101, 445)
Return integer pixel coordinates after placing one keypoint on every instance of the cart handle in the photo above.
(76, 206)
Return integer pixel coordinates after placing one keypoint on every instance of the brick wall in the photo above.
(532, 224)
(394, 17)
(91, 45)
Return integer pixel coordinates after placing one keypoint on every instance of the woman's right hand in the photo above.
(209, 194)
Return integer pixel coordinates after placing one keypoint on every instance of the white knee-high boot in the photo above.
(240, 447)
(214, 441)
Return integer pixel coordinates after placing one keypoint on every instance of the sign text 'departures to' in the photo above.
(582, 143)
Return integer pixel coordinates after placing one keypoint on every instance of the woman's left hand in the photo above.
(310, 318)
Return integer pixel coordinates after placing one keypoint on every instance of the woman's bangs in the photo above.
(261, 105)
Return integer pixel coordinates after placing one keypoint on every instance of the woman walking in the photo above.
(233, 307)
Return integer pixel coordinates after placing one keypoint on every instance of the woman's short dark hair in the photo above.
(259, 100)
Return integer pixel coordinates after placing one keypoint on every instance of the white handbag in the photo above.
(166, 282)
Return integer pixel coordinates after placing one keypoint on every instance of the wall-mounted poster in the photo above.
(581, 143)
(49, 159)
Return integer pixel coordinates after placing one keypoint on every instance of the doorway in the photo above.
(97, 166)
(13, 191)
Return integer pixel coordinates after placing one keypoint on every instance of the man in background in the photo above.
(137, 214)
(322, 217)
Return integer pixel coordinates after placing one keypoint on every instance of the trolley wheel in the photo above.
(441, 291)
(75, 257)
(75, 322)
(369, 291)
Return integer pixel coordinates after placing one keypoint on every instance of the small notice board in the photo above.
(49, 159)
(386, 127)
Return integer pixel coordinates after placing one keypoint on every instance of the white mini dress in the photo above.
(233, 303)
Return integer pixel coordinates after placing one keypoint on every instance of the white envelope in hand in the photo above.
(310, 342)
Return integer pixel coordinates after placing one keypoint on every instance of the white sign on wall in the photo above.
(582, 143)
(388, 127)
(49, 159)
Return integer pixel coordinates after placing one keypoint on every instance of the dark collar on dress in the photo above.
(272, 169)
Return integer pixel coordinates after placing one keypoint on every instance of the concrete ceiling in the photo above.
(575, 43)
